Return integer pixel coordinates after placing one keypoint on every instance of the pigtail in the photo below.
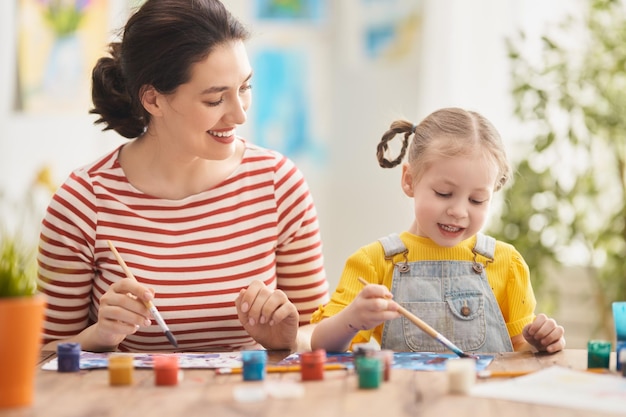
(397, 127)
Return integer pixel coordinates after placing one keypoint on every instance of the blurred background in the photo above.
(330, 76)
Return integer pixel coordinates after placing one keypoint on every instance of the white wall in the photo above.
(462, 62)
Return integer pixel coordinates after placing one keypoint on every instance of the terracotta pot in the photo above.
(21, 321)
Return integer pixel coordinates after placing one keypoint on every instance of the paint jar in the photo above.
(621, 359)
(121, 369)
(461, 375)
(386, 357)
(620, 346)
(598, 354)
(166, 370)
(370, 371)
(68, 357)
(619, 318)
(312, 365)
(254, 362)
(360, 350)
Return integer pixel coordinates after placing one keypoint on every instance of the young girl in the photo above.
(473, 290)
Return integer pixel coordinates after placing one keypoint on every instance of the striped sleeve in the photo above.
(65, 258)
(299, 259)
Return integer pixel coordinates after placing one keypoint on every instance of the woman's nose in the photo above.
(237, 111)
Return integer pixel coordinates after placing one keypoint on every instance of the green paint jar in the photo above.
(370, 372)
(598, 354)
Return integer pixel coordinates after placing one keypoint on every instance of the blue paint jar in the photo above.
(620, 355)
(254, 362)
(68, 357)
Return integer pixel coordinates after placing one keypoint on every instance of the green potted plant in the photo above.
(568, 199)
(21, 320)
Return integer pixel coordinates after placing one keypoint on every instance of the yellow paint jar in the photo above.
(121, 369)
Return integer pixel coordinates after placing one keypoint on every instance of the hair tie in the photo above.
(413, 128)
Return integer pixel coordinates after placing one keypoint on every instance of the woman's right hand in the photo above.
(122, 311)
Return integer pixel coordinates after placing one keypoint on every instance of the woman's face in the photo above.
(200, 117)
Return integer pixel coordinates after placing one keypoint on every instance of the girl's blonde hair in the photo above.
(447, 132)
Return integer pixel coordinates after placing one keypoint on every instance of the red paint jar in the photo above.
(312, 365)
(165, 370)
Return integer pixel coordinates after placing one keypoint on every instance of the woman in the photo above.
(221, 235)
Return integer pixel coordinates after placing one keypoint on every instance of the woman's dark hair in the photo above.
(160, 43)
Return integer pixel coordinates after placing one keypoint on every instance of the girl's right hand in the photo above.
(122, 311)
(371, 307)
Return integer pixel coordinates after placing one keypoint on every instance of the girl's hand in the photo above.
(544, 334)
(371, 307)
(268, 316)
(122, 311)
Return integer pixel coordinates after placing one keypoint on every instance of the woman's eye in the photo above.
(215, 103)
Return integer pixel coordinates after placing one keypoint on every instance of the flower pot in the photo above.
(21, 321)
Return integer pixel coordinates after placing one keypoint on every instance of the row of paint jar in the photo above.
(121, 366)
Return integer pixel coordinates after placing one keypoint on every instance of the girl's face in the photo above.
(200, 117)
(452, 197)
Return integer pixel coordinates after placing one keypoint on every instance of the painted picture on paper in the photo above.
(59, 41)
(282, 117)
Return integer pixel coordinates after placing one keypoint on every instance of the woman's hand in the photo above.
(122, 311)
(544, 334)
(268, 316)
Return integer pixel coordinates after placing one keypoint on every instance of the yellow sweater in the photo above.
(508, 276)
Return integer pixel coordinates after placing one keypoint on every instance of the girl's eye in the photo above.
(478, 202)
(444, 195)
(245, 88)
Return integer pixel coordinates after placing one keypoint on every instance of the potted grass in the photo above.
(21, 320)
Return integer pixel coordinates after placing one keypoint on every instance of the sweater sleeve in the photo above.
(519, 308)
(65, 257)
(360, 264)
(299, 260)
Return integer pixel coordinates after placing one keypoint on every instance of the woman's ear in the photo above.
(150, 100)
(407, 180)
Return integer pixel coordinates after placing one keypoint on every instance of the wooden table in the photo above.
(203, 393)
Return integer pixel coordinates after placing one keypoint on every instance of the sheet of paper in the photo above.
(213, 360)
(417, 361)
(563, 387)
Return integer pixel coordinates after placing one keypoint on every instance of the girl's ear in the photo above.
(407, 180)
(150, 100)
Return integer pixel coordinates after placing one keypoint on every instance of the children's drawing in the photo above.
(92, 360)
(417, 361)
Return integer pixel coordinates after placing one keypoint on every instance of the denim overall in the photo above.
(453, 297)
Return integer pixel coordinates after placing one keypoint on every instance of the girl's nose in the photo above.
(457, 210)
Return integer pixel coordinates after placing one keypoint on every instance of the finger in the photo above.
(126, 286)
(254, 299)
(283, 311)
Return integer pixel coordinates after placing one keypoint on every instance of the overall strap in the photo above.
(392, 244)
(485, 246)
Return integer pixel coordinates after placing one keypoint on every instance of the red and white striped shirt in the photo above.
(197, 253)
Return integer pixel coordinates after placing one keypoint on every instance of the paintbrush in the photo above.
(149, 304)
(429, 330)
